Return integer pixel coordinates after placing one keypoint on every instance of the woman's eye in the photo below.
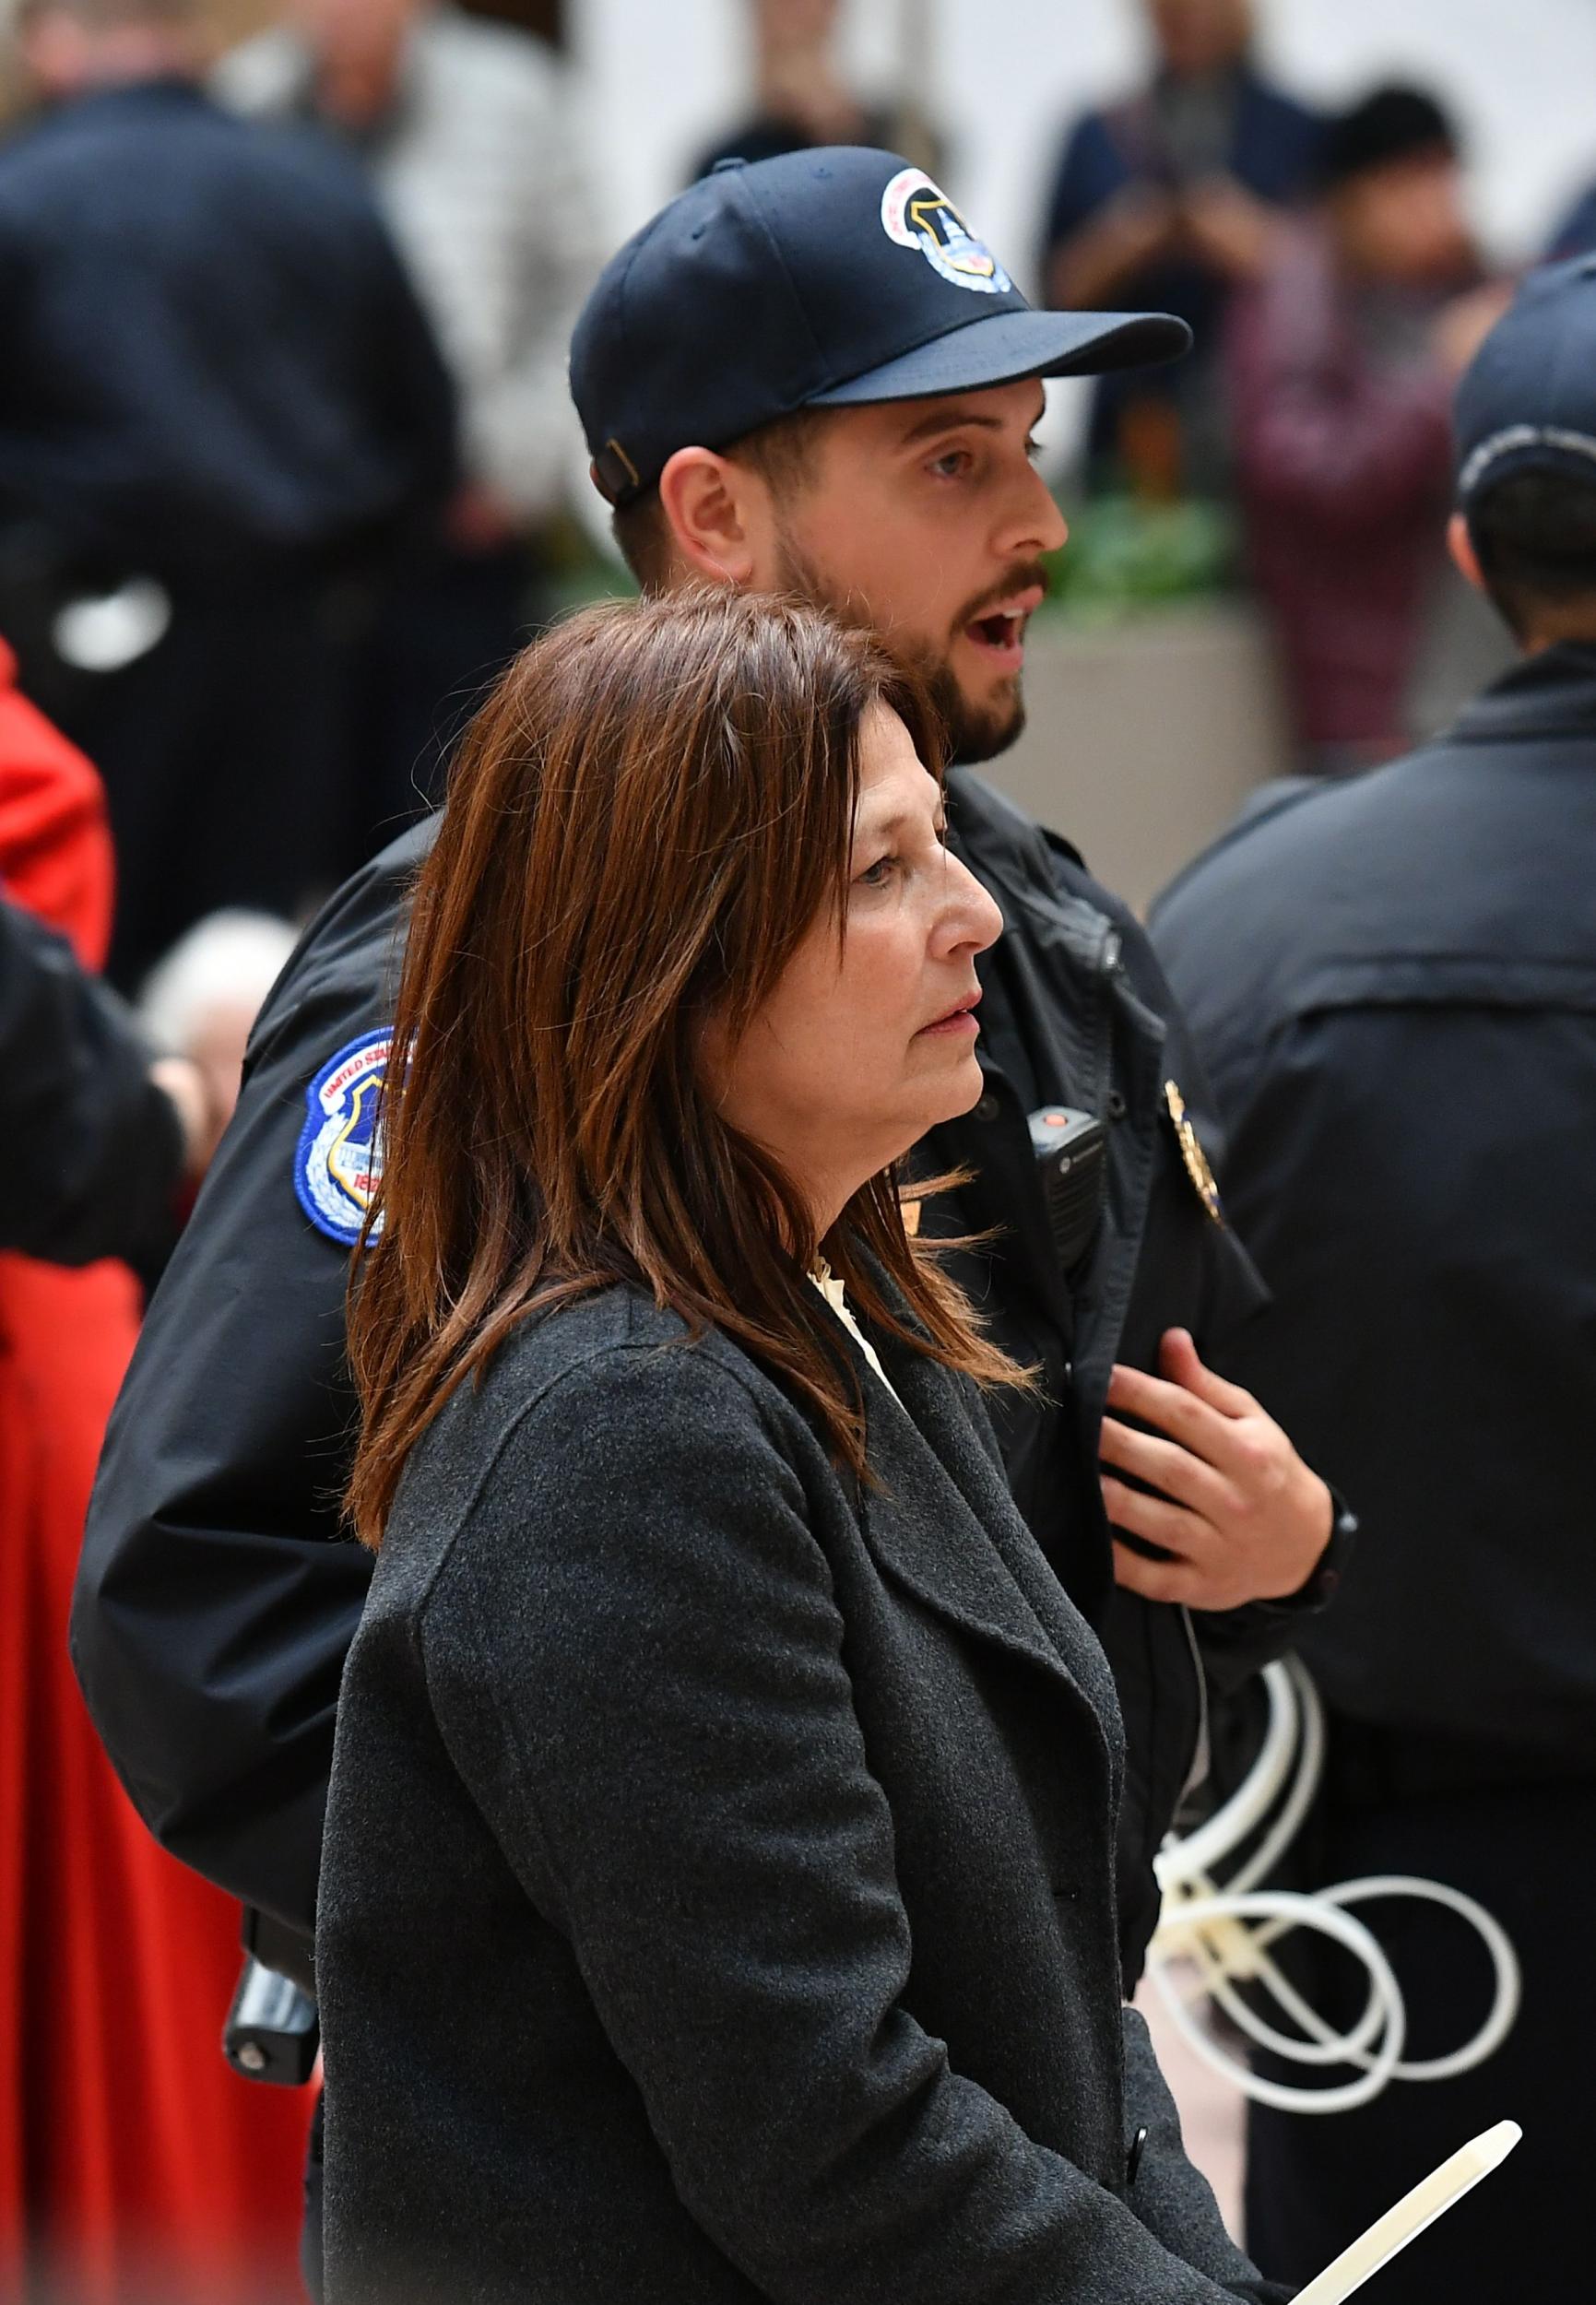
(875, 876)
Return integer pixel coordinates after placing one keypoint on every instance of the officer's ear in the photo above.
(717, 513)
(1461, 545)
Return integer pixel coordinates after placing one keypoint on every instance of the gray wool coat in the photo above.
(718, 1900)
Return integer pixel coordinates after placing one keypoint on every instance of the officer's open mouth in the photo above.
(1000, 633)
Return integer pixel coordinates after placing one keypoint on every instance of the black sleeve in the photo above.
(90, 1149)
(217, 1593)
(1240, 1642)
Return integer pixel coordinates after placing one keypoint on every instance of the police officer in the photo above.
(809, 375)
(224, 416)
(1392, 983)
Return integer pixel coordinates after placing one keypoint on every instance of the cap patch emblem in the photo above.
(916, 213)
(339, 1164)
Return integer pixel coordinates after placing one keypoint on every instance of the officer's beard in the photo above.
(975, 732)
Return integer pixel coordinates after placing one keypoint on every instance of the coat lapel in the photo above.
(943, 1524)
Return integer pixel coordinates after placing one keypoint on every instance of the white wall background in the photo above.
(1003, 75)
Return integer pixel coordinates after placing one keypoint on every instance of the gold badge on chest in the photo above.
(1192, 1153)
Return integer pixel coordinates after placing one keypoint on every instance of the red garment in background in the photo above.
(133, 2161)
(1344, 461)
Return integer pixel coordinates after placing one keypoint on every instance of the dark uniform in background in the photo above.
(1393, 985)
(216, 381)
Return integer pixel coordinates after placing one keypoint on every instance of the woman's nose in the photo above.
(971, 919)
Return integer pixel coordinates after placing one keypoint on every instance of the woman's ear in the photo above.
(705, 498)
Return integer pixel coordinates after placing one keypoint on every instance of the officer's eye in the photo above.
(953, 463)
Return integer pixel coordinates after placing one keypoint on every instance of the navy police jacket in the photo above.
(214, 364)
(1393, 982)
(215, 1604)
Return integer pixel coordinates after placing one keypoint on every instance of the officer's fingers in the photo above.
(1183, 1364)
(1178, 1471)
(1174, 1408)
(1154, 1580)
(1250, 1452)
(1173, 1528)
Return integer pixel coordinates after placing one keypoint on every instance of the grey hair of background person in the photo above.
(230, 959)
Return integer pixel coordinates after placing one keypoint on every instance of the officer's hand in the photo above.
(1239, 1514)
(1229, 228)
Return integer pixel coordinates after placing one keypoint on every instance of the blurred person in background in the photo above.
(470, 135)
(220, 402)
(801, 98)
(1170, 198)
(1393, 982)
(202, 999)
(1342, 355)
(132, 2162)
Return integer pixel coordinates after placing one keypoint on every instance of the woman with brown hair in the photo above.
(718, 1900)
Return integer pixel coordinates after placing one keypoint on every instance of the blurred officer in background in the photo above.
(808, 375)
(470, 135)
(801, 97)
(219, 400)
(1342, 355)
(1170, 198)
(202, 999)
(1393, 984)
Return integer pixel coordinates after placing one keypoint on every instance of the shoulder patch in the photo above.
(339, 1164)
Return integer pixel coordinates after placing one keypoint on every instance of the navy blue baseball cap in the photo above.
(816, 280)
(1528, 401)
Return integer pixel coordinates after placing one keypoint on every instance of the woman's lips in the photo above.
(958, 1024)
